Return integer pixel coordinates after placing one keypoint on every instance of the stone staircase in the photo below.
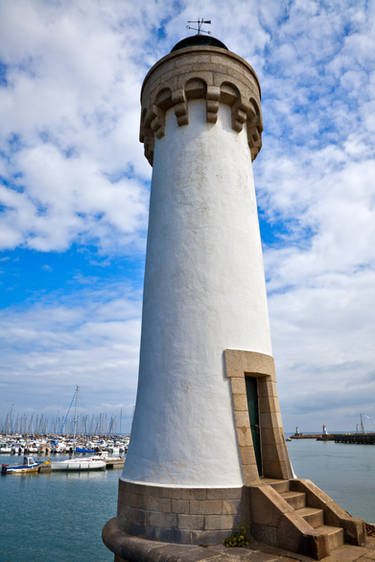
(297, 516)
(314, 516)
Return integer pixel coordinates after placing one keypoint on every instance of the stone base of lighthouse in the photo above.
(180, 515)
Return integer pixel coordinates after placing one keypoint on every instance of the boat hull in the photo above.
(69, 466)
(20, 469)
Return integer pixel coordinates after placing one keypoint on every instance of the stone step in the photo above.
(280, 486)
(313, 516)
(335, 535)
(295, 499)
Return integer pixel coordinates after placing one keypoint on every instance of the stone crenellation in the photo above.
(210, 73)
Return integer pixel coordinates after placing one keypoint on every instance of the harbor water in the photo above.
(344, 472)
(55, 517)
(58, 517)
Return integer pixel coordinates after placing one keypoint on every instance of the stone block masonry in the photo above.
(182, 515)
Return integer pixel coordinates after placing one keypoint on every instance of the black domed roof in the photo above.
(198, 41)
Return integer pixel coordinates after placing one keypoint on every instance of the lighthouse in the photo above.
(207, 427)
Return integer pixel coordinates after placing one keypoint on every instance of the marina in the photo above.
(50, 453)
(52, 444)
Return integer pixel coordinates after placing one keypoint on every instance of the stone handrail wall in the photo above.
(208, 73)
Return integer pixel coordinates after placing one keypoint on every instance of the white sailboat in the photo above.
(77, 463)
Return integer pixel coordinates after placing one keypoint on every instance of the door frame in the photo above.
(275, 457)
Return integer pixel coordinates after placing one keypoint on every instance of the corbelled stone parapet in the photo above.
(208, 73)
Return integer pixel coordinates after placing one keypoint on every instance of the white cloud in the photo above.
(90, 339)
(70, 125)
(72, 199)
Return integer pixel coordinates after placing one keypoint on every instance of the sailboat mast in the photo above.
(75, 414)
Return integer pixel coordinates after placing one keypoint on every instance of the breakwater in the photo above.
(308, 436)
(356, 438)
(352, 438)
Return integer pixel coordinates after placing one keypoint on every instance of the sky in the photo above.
(74, 190)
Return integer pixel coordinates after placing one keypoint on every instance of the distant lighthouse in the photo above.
(207, 424)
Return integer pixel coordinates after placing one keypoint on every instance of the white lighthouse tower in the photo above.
(204, 290)
(207, 424)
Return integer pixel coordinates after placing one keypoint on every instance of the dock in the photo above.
(114, 463)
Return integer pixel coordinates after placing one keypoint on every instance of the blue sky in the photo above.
(74, 188)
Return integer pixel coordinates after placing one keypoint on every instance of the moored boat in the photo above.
(78, 464)
(85, 450)
(111, 461)
(29, 465)
(5, 449)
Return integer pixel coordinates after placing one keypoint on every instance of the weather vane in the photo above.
(199, 23)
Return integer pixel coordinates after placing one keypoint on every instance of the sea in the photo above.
(58, 517)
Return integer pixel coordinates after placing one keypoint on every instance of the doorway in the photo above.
(252, 404)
